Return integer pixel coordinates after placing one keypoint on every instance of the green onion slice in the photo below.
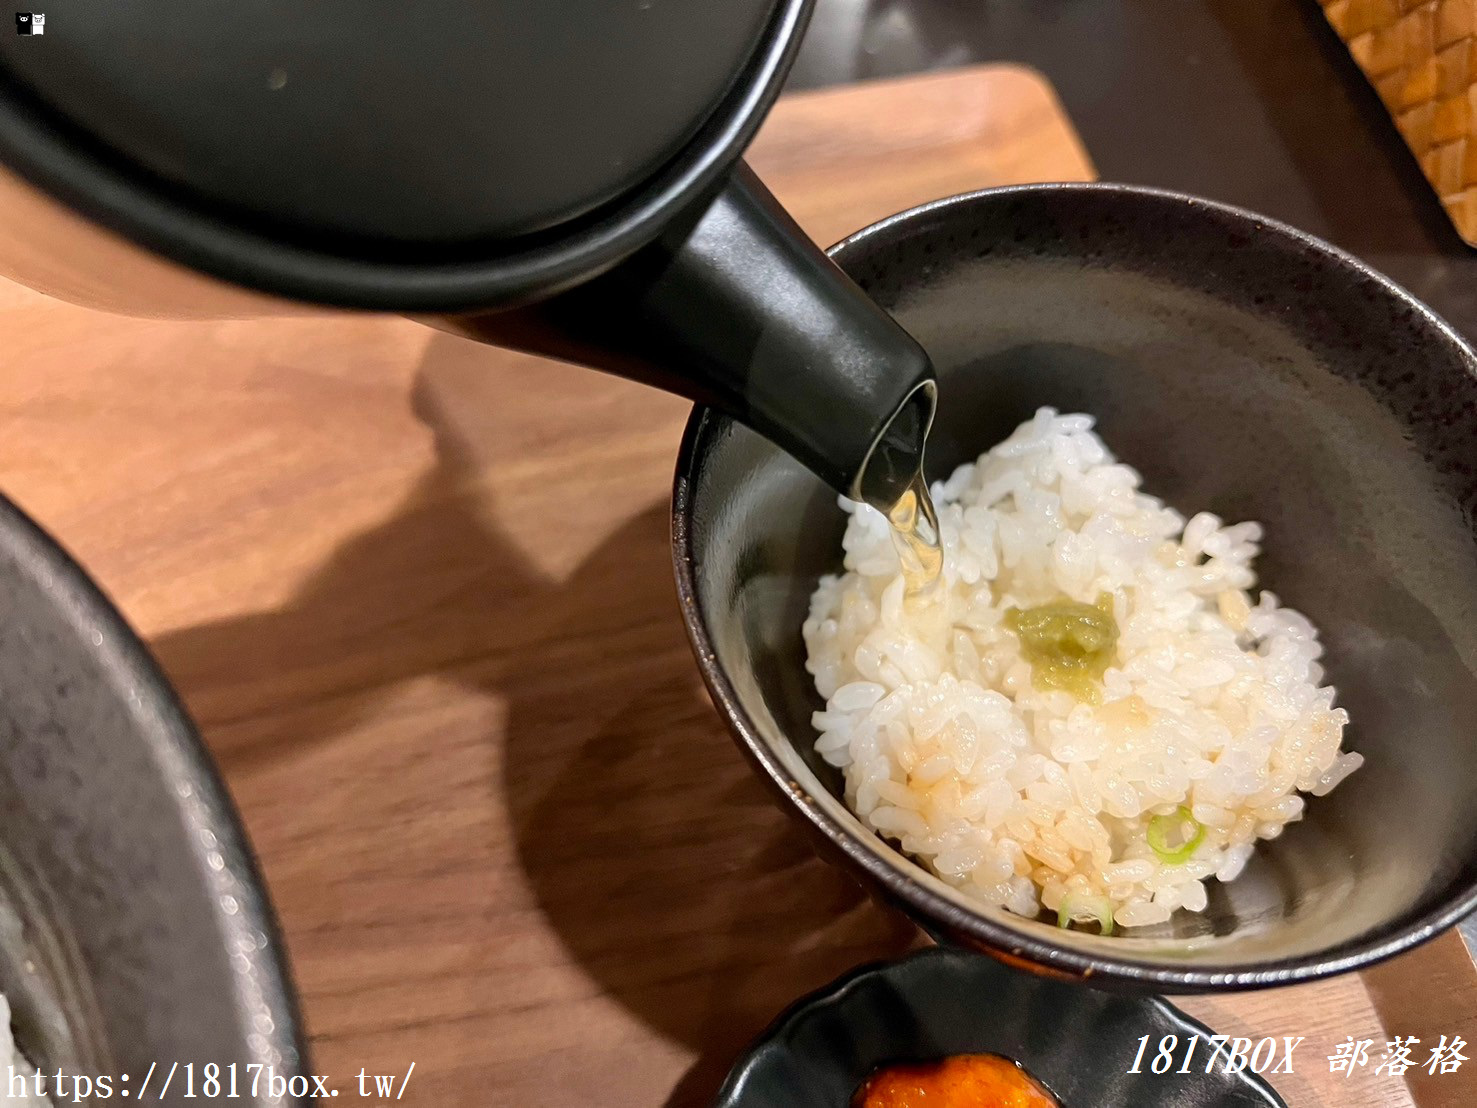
(1182, 823)
(1085, 906)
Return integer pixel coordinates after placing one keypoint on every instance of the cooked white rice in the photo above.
(1019, 796)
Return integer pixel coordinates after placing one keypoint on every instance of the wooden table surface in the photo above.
(417, 594)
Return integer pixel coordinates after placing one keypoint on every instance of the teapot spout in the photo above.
(734, 307)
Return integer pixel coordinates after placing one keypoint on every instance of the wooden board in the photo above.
(417, 593)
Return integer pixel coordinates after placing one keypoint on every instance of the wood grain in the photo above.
(845, 157)
(417, 593)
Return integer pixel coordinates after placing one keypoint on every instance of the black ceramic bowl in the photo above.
(1246, 369)
(1082, 1043)
(133, 926)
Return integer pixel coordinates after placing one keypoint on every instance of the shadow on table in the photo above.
(671, 878)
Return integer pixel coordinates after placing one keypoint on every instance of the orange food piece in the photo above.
(963, 1081)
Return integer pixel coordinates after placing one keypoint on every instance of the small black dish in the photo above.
(1079, 1042)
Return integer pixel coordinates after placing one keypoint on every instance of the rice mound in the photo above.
(1020, 796)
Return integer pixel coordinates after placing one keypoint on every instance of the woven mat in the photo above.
(1421, 56)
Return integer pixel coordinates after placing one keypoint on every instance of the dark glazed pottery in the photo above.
(488, 178)
(133, 925)
(1080, 1043)
(1246, 369)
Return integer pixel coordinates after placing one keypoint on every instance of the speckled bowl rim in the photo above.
(264, 987)
(1029, 944)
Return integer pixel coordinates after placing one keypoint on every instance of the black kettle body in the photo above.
(558, 176)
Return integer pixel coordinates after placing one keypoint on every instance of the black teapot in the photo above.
(560, 176)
